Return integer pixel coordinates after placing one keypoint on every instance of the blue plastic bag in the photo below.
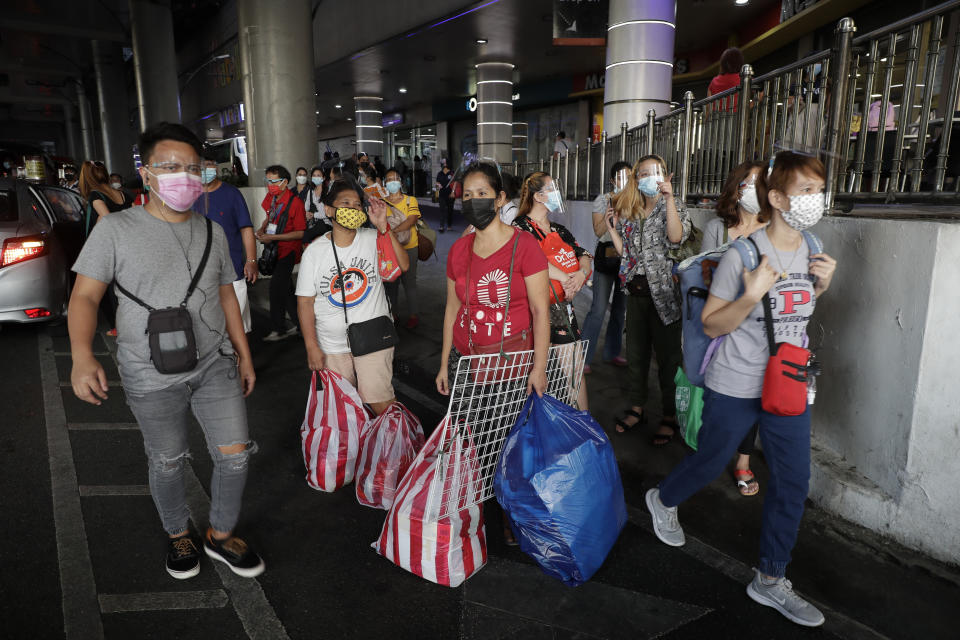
(559, 483)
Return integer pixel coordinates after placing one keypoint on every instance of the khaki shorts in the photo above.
(373, 372)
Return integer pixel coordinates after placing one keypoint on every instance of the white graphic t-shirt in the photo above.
(738, 366)
(362, 287)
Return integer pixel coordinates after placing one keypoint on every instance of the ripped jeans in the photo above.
(216, 399)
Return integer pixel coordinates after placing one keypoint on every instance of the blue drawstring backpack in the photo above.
(558, 481)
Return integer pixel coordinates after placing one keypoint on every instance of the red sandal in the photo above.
(746, 482)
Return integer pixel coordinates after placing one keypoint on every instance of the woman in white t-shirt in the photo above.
(324, 288)
(792, 199)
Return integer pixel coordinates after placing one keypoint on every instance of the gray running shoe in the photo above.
(665, 522)
(780, 596)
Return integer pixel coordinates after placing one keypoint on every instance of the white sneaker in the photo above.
(665, 522)
(780, 596)
(273, 336)
(292, 331)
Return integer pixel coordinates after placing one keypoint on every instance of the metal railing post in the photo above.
(516, 168)
(541, 163)
(576, 170)
(743, 111)
(566, 172)
(687, 146)
(623, 141)
(589, 153)
(842, 45)
(603, 158)
(651, 123)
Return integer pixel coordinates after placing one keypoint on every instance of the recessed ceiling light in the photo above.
(337, 106)
(318, 113)
(403, 90)
(349, 119)
(481, 41)
(741, 2)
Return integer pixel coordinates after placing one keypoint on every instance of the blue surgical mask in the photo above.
(208, 175)
(553, 202)
(648, 185)
(393, 186)
(316, 180)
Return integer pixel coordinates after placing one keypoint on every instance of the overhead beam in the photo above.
(84, 32)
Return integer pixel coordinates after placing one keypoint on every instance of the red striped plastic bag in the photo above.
(388, 447)
(330, 434)
(444, 550)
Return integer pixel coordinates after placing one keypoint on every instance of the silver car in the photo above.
(41, 233)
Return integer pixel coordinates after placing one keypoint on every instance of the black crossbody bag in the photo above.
(267, 261)
(375, 334)
(173, 345)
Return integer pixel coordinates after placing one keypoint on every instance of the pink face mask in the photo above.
(178, 190)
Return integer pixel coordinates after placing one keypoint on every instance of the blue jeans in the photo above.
(786, 446)
(216, 398)
(602, 284)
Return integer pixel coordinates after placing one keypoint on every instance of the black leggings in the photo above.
(282, 299)
(746, 447)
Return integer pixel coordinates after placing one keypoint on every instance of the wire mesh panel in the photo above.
(486, 397)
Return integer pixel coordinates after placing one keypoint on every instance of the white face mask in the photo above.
(805, 211)
(748, 200)
(116, 185)
(301, 179)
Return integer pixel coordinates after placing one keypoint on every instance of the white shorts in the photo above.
(240, 287)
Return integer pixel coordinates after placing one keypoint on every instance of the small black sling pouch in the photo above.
(173, 344)
(369, 336)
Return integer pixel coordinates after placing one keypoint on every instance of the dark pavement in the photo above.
(82, 547)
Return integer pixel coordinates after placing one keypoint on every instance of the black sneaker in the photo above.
(183, 558)
(235, 553)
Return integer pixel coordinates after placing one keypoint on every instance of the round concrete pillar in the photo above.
(368, 117)
(276, 67)
(86, 122)
(154, 62)
(495, 111)
(111, 95)
(640, 41)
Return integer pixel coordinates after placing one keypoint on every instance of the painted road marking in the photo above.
(170, 601)
(93, 491)
(81, 609)
(102, 426)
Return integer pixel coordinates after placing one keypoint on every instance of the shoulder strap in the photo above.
(132, 297)
(767, 313)
(749, 253)
(506, 309)
(813, 242)
(343, 294)
(203, 263)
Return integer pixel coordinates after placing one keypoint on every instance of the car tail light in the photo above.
(39, 312)
(19, 249)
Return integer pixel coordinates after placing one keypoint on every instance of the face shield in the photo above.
(649, 176)
(620, 180)
(554, 198)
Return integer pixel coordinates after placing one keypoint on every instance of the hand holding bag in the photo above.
(330, 433)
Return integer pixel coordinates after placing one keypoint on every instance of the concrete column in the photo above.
(276, 67)
(71, 130)
(112, 96)
(368, 117)
(495, 111)
(86, 121)
(639, 61)
(154, 61)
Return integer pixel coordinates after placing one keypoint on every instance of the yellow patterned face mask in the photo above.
(350, 218)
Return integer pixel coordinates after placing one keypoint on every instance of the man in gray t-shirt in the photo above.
(153, 252)
(146, 256)
(738, 366)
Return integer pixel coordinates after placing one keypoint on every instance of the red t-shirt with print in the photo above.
(488, 289)
(296, 221)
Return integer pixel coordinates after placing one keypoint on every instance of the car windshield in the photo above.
(8, 207)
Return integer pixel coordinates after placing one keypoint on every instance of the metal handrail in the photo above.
(811, 105)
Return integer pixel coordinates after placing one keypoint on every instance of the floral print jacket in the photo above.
(645, 246)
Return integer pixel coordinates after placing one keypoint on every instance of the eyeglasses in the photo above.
(175, 167)
(274, 180)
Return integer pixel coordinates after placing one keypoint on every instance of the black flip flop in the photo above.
(663, 439)
(641, 419)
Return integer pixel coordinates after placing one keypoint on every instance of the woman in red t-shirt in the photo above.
(475, 312)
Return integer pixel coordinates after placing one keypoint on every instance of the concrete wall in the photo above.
(886, 423)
